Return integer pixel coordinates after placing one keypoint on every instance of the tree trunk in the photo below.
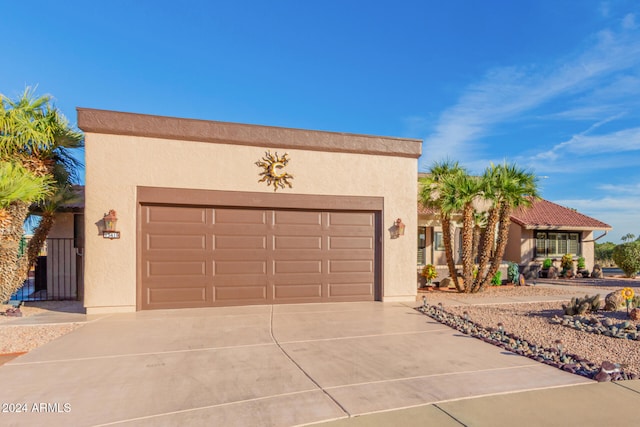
(487, 249)
(467, 246)
(503, 235)
(39, 238)
(448, 250)
(11, 266)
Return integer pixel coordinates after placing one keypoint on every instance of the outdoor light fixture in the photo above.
(501, 330)
(398, 228)
(110, 219)
(424, 301)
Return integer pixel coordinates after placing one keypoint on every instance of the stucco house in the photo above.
(216, 214)
(544, 230)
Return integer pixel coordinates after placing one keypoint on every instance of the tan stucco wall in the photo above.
(588, 249)
(116, 165)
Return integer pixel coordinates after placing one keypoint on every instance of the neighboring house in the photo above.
(544, 230)
(548, 230)
(198, 226)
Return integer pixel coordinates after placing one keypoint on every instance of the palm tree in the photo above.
(436, 192)
(36, 136)
(508, 187)
(460, 194)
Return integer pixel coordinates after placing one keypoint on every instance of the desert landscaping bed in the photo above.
(19, 338)
(532, 322)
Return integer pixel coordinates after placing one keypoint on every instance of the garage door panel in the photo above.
(351, 218)
(180, 294)
(176, 242)
(237, 268)
(351, 266)
(297, 267)
(353, 242)
(240, 293)
(239, 216)
(240, 242)
(351, 289)
(173, 215)
(298, 291)
(176, 268)
(297, 242)
(297, 218)
(221, 256)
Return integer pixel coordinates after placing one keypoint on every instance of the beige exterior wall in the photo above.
(588, 249)
(116, 165)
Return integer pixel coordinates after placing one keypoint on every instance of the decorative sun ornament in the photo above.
(273, 170)
(627, 293)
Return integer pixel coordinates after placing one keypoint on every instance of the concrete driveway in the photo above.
(279, 365)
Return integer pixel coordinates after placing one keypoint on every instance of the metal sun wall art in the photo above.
(273, 172)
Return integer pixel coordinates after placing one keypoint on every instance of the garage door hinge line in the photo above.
(301, 369)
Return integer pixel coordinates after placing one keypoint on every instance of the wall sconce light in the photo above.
(110, 219)
(398, 228)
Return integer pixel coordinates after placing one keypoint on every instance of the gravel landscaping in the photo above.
(531, 322)
(18, 338)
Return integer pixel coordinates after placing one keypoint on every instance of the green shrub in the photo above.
(547, 263)
(513, 272)
(496, 280)
(627, 258)
(567, 262)
(582, 263)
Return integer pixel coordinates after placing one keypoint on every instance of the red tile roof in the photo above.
(544, 214)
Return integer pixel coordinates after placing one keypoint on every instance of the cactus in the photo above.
(580, 306)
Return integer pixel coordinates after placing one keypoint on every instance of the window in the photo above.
(557, 243)
(438, 241)
(422, 244)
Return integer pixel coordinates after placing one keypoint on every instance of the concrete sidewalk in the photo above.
(280, 365)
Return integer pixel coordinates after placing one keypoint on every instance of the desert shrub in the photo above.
(513, 272)
(496, 280)
(627, 258)
(567, 262)
(429, 272)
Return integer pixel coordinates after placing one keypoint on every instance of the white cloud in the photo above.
(629, 21)
(505, 93)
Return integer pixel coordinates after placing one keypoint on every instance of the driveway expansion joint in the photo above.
(301, 368)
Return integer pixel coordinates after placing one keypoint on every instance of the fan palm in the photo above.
(436, 192)
(36, 136)
(508, 187)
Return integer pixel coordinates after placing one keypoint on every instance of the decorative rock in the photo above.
(634, 314)
(597, 272)
(602, 377)
(613, 301)
(552, 273)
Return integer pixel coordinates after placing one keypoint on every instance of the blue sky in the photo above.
(551, 85)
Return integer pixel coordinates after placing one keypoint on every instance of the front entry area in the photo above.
(195, 256)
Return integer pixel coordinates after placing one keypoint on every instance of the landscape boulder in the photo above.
(613, 301)
(597, 272)
(634, 314)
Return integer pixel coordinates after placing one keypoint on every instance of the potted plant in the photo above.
(429, 273)
(546, 265)
(582, 267)
(567, 266)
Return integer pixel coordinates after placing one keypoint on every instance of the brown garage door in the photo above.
(198, 257)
